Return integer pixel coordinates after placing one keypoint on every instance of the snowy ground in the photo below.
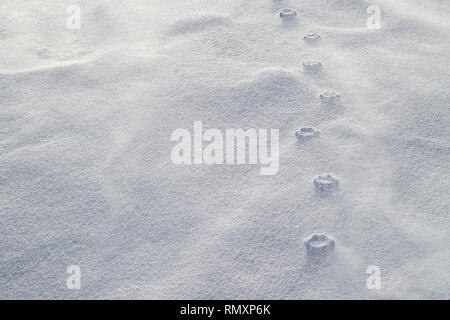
(86, 176)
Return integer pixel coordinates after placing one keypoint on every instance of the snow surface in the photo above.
(85, 171)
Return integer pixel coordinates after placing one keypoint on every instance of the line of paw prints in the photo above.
(318, 245)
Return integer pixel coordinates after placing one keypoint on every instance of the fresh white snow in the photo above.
(86, 177)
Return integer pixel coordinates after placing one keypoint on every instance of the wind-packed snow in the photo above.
(86, 176)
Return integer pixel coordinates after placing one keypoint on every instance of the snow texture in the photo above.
(86, 177)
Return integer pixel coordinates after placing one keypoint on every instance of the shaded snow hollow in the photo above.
(85, 171)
